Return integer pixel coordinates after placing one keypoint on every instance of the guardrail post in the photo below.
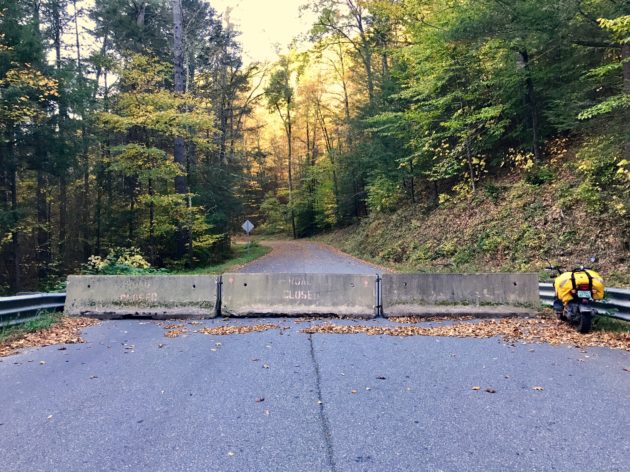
(217, 305)
(378, 309)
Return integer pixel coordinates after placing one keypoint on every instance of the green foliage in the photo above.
(539, 175)
(493, 191)
(119, 261)
(276, 215)
(384, 195)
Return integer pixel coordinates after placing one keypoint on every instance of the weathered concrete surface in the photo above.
(113, 296)
(130, 399)
(478, 294)
(299, 294)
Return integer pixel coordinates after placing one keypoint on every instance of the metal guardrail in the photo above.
(616, 303)
(15, 310)
(22, 308)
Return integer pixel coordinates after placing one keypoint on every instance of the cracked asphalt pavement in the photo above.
(282, 400)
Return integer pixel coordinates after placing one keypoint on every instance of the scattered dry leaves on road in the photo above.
(511, 330)
(175, 333)
(66, 331)
(244, 329)
(427, 319)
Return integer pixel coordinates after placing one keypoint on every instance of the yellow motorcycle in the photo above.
(575, 292)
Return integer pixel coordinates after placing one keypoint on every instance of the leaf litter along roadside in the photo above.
(428, 319)
(174, 331)
(510, 330)
(66, 331)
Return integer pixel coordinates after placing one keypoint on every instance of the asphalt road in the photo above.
(283, 400)
(309, 257)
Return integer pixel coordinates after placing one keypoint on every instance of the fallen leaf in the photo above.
(227, 330)
(533, 331)
(353, 391)
(261, 399)
(491, 390)
(42, 362)
(538, 388)
(175, 333)
(627, 369)
(476, 388)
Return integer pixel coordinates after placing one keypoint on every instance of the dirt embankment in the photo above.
(508, 224)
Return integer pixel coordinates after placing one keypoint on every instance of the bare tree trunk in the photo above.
(625, 56)
(15, 266)
(140, 12)
(63, 185)
(151, 224)
(179, 154)
(290, 156)
(530, 99)
(85, 205)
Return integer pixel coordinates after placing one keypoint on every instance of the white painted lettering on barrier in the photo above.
(300, 295)
(139, 297)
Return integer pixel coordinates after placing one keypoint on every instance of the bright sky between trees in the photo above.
(266, 25)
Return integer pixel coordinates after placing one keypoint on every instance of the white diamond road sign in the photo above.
(248, 226)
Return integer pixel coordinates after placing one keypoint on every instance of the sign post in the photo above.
(248, 226)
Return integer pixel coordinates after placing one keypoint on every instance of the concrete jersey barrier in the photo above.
(162, 296)
(299, 294)
(424, 294)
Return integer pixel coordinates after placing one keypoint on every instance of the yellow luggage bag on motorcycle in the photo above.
(569, 281)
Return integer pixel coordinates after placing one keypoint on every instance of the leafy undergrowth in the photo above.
(510, 224)
(241, 255)
(47, 330)
(511, 330)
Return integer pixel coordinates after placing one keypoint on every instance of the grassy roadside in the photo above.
(611, 325)
(241, 255)
(44, 320)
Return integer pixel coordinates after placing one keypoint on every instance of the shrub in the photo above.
(383, 195)
(539, 175)
(119, 261)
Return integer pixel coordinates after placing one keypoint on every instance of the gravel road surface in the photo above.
(282, 400)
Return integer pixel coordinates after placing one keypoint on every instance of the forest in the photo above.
(136, 130)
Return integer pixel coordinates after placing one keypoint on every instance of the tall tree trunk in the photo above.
(62, 115)
(42, 253)
(16, 259)
(530, 100)
(330, 151)
(625, 56)
(289, 131)
(151, 224)
(179, 154)
(85, 206)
